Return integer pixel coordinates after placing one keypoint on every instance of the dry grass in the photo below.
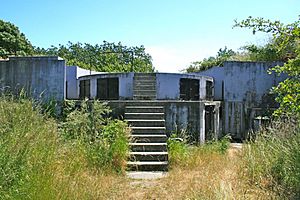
(36, 164)
(206, 175)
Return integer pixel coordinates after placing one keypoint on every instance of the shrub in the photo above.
(106, 141)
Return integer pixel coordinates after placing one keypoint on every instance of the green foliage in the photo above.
(12, 41)
(261, 53)
(181, 153)
(106, 57)
(222, 56)
(221, 146)
(272, 161)
(106, 141)
(28, 143)
(85, 121)
(287, 45)
(36, 162)
(177, 150)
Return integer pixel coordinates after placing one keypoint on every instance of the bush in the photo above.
(106, 141)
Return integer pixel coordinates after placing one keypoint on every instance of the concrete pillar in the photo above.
(93, 88)
(202, 123)
(217, 121)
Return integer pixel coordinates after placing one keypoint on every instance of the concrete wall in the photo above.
(245, 87)
(125, 84)
(243, 81)
(71, 82)
(218, 76)
(168, 85)
(41, 77)
(187, 116)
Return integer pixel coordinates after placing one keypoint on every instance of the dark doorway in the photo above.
(108, 88)
(84, 89)
(209, 90)
(189, 89)
(209, 122)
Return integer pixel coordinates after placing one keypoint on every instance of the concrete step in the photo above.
(151, 87)
(148, 130)
(146, 122)
(144, 78)
(144, 92)
(144, 109)
(144, 97)
(149, 156)
(148, 147)
(144, 83)
(144, 115)
(148, 166)
(137, 138)
(145, 103)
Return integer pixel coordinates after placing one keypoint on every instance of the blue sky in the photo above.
(174, 32)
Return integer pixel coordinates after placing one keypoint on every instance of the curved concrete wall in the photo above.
(125, 84)
(167, 84)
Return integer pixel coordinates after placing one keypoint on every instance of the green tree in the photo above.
(287, 44)
(12, 41)
(106, 57)
(222, 56)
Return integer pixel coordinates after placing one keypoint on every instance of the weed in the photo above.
(105, 140)
(272, 160)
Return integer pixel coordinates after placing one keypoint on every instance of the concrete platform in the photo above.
(146, 175)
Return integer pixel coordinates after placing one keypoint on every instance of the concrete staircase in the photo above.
(149, 147)
(144, 86)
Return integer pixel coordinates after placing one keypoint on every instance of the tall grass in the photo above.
(28, 144)
(39, 160)
(181, 153)
(272, 161)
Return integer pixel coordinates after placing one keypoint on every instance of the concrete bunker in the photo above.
(186, 98)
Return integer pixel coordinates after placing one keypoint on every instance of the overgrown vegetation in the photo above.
(28, 144)
(272, 161)
(106, 141)
(38, 160)
(181, 153)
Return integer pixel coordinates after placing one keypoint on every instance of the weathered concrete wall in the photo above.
(243, 81)
(245, 87)
(188, 116)
(71, 82)
(218, 76)
(125, 83)
(168, 85)
(41, 77)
